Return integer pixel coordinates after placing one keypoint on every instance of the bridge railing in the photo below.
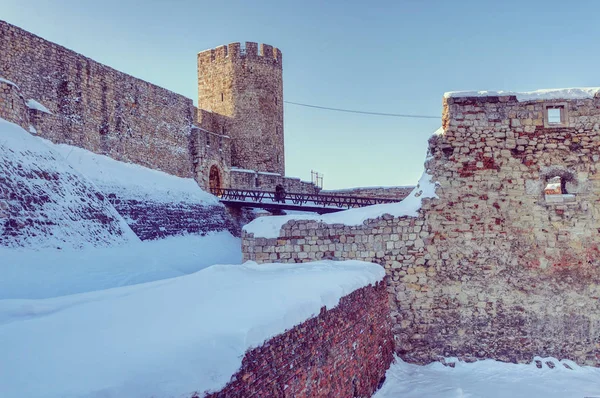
(299, 199)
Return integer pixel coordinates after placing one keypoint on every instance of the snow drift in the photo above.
(168, 338)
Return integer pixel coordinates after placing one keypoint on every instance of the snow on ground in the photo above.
(491, 379)
(269, 227)
(29, 274)
(167, 338)
(132, 181)
(545, 94)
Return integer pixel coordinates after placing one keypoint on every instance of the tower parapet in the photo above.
(235, 51)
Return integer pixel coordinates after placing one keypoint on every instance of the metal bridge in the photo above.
(293, 201)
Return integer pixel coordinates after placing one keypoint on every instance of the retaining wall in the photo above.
(343, 352)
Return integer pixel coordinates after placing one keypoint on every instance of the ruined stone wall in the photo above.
(96, 107)
(245, 86)
(342, 352)
(493, 268)
(372, 192)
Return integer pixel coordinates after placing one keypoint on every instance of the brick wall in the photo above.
(96, 107)
(343, 352)
(493, 268)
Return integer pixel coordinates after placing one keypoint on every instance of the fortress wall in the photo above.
(372, 192)
(96, 107)
(249, 179)
(342, 352)
(493, 268)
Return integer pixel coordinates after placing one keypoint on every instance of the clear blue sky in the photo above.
(383, 56)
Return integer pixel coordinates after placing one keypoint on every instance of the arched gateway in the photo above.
(214, 180)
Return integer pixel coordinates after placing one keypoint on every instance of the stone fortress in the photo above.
(233, 139)
(497, 266)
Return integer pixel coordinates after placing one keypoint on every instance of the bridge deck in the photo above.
(294, 201)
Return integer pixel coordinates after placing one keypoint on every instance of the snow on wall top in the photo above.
(44, 202)
(132, 181)
(545, 94)
(8, 82)
(165, 338)
(33, 104)
(270, 227)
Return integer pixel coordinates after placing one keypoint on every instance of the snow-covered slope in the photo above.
(154, 204)
(44, 202)
(163, 339)
(36, 274)
(131, 181)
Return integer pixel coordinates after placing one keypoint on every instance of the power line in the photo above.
(363, 112)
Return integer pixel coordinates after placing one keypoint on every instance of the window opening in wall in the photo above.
(222, 97)
(555, 190)
(275, 100)
(555, 186)
(555, 115)
(256, 182)
(207, 139)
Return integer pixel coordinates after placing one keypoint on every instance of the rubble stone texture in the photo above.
(343, 352)
(493, 268)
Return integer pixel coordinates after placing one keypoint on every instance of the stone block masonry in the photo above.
(494, 267)
(343, 352)
(96, 107)
(243, 88)
(12, 105)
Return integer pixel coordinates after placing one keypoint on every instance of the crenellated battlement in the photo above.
(237, 51)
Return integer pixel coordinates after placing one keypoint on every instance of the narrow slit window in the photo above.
(222, 97)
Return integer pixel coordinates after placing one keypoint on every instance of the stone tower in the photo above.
(242, 90)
